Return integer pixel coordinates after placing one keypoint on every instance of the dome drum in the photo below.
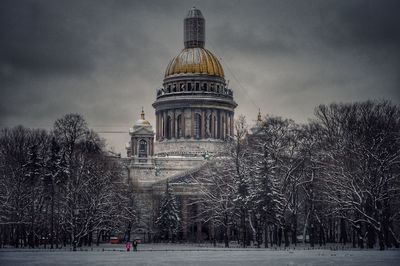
(204, 90)
(194, 123)
(195, 101)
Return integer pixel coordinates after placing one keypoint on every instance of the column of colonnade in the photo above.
(221, 121)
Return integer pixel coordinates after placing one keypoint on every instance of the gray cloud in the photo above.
(105, 59)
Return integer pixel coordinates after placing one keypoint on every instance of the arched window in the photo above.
(197, 126)
(169, 127)
(179, 131)
(142, 148)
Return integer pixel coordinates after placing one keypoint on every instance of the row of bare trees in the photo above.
(335, 179)
(59, 187)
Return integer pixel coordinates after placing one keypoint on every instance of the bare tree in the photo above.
(361, 162)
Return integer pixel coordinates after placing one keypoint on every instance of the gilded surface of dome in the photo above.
(142, 122)
(195, 60)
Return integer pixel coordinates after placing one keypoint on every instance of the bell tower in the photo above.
(141, 146)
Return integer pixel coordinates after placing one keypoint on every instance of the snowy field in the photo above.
(192, 255)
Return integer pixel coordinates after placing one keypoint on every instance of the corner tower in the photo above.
(194, 108)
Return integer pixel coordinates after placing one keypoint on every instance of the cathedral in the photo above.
(194, 112)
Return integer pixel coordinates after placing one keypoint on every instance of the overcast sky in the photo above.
(105, 59)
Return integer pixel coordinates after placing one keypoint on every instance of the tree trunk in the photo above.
(272, 236)
(226, 236)
(305, 228)
(370, 236)
(360, 236)
(98, 237)
(275, 235)
(343, 233)
(52, 218)
(381, 240)
(286, 235)
(321, 235)
(294, 229)
(311, 235)
(280, 236)
(243, 228)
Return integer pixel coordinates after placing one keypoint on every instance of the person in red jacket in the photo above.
(128, 246)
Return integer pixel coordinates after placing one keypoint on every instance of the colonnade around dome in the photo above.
(194, 123)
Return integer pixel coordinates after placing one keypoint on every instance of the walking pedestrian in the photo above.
(128, 246)
(135, 244)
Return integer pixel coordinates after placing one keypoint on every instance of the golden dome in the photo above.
(142, 122)
(195, 60)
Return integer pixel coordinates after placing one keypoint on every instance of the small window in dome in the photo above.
(197, 86)
(189, 86)
(204, 86)
(142, 148)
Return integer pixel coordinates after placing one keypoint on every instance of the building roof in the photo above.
(195, 60)
(142, 122)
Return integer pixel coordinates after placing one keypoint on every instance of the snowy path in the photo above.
(148, 256)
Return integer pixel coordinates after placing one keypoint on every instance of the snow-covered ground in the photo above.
(196, 255)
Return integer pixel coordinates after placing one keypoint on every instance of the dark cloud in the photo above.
(105, 59)
(44, 38)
